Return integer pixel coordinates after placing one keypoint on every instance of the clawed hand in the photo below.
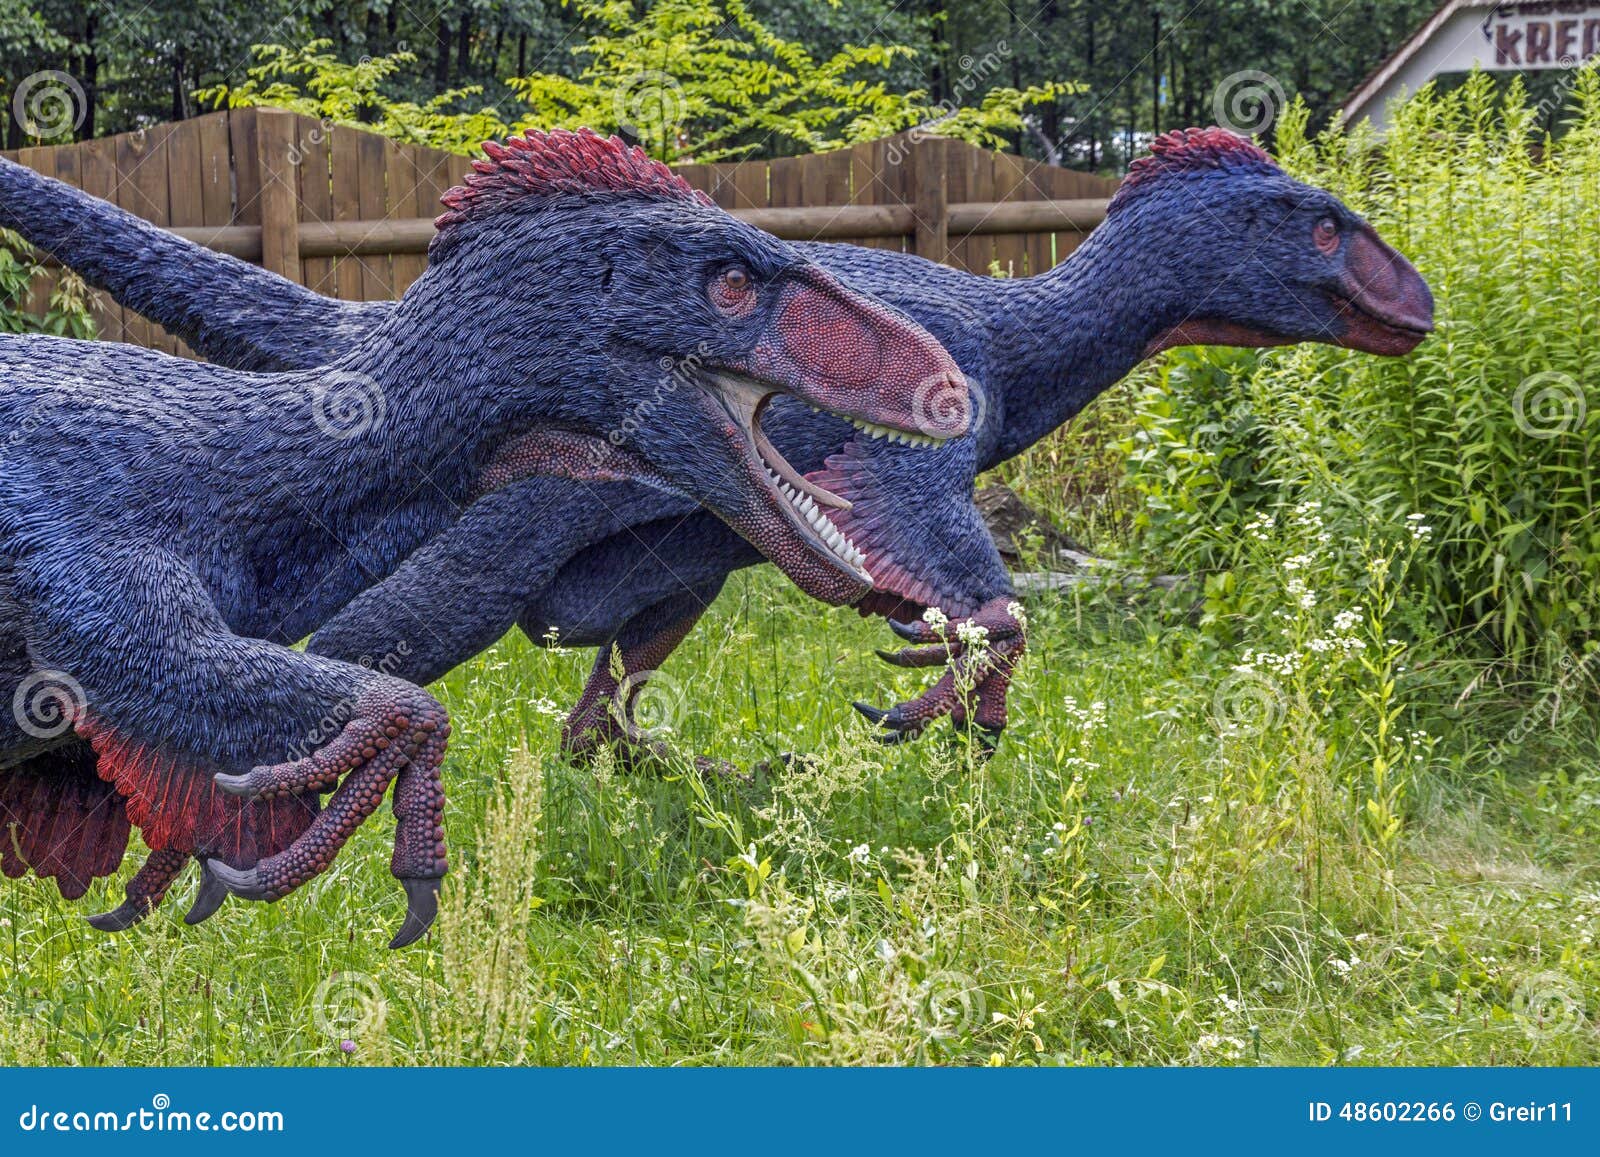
(979, 654)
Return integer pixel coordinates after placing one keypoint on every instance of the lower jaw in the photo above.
(822, 581)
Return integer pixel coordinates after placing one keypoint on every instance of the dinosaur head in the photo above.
(692, 322)
(1252, 257)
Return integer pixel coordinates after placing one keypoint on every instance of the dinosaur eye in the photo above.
(733, 291)
(1326, 235)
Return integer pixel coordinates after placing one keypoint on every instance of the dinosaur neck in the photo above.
(408, 419)
(1062, 338)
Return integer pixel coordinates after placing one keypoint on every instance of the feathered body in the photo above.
(167, 526)
(1207, 241)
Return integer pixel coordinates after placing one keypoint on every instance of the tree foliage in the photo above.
(745, 76)
(701, 80)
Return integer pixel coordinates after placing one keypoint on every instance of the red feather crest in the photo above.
(542, 164)
(1192, 151)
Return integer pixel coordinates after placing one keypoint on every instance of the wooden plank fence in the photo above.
(349, 213)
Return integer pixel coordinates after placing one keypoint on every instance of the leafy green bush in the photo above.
(1490, 431)
(65, 311)
(689, 80)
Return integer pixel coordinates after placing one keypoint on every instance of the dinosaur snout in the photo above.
(846, 353)
(1388, 307)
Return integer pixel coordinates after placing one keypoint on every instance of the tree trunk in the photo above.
(938, 82)
(464, 46)
(180, 103)
(1089, 52)
(441, 70)
(1155, 72)
(91, 75)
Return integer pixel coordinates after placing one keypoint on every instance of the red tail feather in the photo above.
(61, 820)
(177, 805)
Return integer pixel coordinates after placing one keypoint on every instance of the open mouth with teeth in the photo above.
(802, 503)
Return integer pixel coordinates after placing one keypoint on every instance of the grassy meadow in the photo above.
(1160, 866)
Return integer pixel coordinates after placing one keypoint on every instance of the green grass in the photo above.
(1134, 885)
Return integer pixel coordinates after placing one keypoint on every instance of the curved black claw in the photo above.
(910, 631)
(873, 714)
(209, 898)
(242, 882)
(893, 738)
(422, 905)
(124, 916)
(236, 784)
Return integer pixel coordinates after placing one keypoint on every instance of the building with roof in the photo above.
(1463, 35)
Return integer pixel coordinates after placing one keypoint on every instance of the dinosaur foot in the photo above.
(980, 655)
(409, 758)
(144, 892)
(382, 721)
(635, 749)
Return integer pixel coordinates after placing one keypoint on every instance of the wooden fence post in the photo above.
(931, 204)
(277, 149)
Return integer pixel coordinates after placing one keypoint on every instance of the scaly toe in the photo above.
(244, 883)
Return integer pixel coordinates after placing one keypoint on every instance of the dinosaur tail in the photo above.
(227, 310)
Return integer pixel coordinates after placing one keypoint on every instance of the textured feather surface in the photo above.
(178, 806)
(60, 819)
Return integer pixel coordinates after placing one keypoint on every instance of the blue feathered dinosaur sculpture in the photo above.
(167, 527)
(1207, 242)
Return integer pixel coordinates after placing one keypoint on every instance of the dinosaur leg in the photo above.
(392, 738)
(604, 713)
(167, 709)
(973, 692)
